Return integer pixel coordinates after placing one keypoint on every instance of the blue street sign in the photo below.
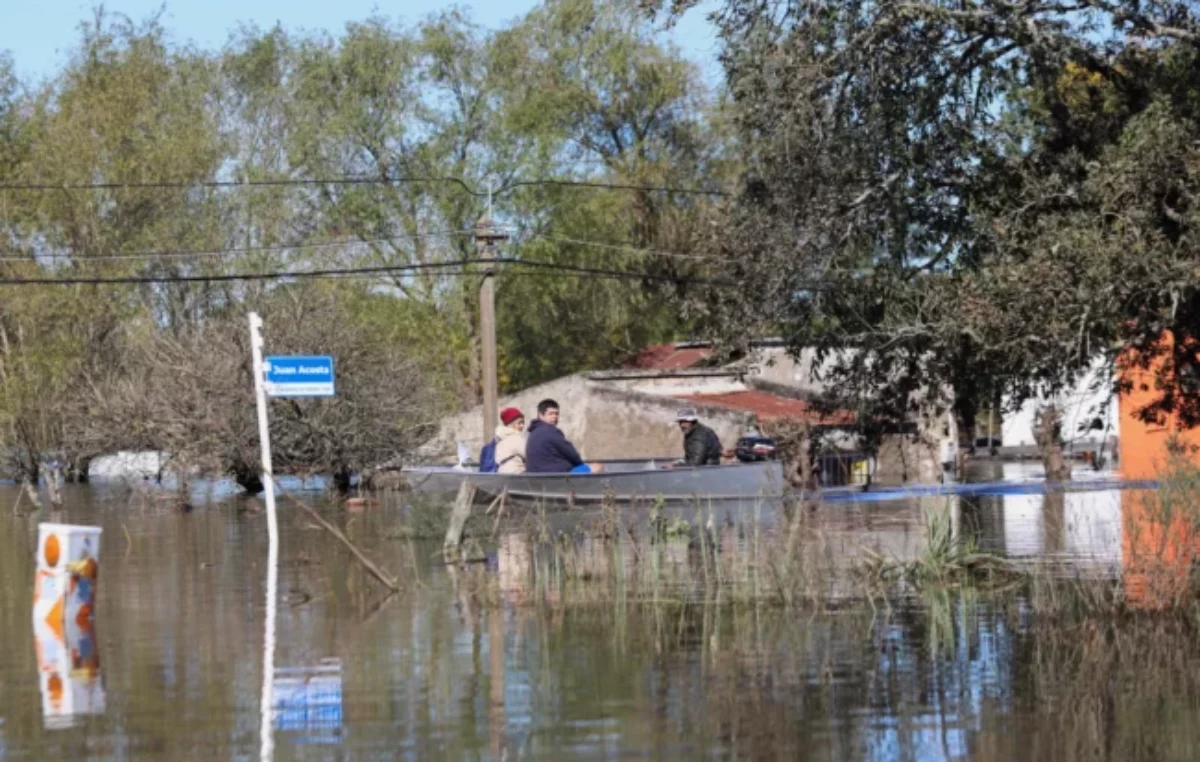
(298, 376)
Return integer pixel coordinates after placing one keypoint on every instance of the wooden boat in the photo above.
(646, 480)
(622, 480)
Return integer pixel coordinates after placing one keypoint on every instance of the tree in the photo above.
(125, 110)
(191, 393)
(611, 103)
(979, 197)
(147, 160)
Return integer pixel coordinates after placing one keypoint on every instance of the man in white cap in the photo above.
(701, 447)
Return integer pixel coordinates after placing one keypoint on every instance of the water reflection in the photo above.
(307, 702)
(477, 666)
(68, 676)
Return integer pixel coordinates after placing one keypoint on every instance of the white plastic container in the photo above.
(64, 618)
(68, 567)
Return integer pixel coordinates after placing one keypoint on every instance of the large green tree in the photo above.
(614, 105)
(127, 109)
(983, 196)
(370, 146)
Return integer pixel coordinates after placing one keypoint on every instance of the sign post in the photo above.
(267, 747)
(290, 376)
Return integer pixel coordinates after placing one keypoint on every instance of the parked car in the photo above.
(751, 448)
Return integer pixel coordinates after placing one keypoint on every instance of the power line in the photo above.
(621, 247)
(437, 268)
(460, 264)
(288, 182)
(615, 186)
(613, 273)
(217, 253)
(43, 186)
(219, 277)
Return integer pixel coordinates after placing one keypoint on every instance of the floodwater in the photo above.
(443, 671)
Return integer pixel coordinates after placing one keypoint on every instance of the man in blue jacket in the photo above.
(547, 451)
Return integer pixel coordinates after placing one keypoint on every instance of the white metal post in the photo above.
(264, 438)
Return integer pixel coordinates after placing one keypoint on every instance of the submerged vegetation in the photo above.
(786, 557)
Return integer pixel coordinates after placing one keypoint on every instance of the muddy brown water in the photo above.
(433, 673)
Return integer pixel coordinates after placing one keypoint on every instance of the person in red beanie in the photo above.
(508, 446)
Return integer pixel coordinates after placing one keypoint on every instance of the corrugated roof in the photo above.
(770, 407)
(669, 357)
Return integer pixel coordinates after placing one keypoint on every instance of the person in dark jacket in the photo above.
(547, 451)
(701, 447)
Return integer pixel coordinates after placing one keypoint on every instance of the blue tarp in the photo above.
(842, 495)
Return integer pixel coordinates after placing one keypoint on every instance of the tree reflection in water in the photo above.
(495, 662)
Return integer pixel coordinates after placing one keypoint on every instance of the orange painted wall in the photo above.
(1143, 445)
(1159, 544)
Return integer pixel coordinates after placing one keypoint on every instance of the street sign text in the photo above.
(299, 376)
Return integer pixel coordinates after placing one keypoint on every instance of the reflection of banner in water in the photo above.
(64, 595)
(68, 691)
(308, 700)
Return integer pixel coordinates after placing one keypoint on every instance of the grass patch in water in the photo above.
(946, 561)
(785, 556)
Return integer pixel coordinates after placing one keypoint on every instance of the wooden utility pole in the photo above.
(487, 235)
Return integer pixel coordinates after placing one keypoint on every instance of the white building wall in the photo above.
(1091, 398)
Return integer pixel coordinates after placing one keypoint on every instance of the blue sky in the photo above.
(39, 33)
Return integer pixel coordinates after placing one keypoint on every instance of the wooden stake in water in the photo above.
(458, 519)
(267, 747)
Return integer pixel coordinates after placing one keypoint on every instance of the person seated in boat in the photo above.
(509, 454)
(701, 446)
(547, 450)
(487, 456)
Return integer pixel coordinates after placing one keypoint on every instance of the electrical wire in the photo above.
(288, 182)
(217, 253)
(475, 264)
(614, 273)
(354, 180)
(621, 247)
(614, 186)
(219, 277)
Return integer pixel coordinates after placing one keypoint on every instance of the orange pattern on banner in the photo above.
(55, 686)
(55, 618)
(52, 551)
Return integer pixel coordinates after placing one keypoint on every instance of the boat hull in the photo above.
(623, 481)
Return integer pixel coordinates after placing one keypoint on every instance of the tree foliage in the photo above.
(197, 153)
(983, 196)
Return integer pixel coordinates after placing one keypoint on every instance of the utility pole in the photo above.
(487, 235)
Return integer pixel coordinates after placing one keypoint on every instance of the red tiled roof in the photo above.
(770, 407)
(668, 357)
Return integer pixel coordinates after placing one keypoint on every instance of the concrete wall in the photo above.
(603, 420)
(568, 391)
(625, 424)
(774, 365)
(906, 458)
(677, 386)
